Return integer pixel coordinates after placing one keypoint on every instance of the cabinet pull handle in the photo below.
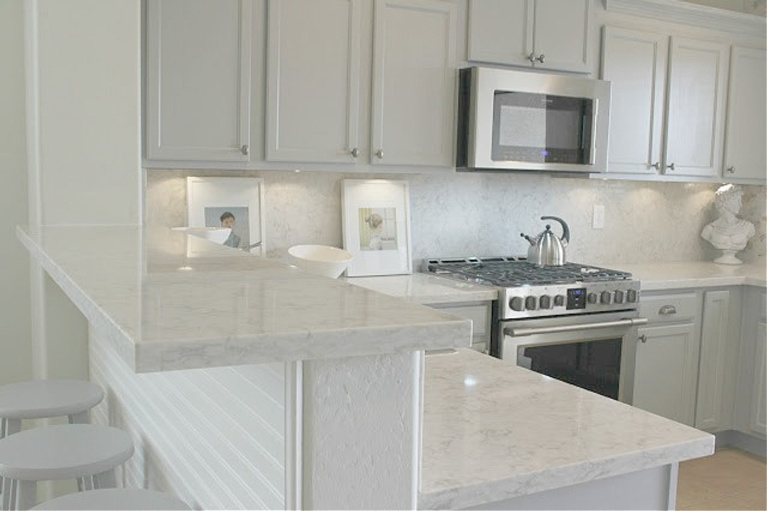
(541, 58)
(667, 310)
(355, 152)
(642, 338)
(656, 165)
(731, 170)
(379, 153)
(672, 166)
(245, 150)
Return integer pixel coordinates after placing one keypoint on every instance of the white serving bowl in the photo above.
(215, 234)
(320, 259)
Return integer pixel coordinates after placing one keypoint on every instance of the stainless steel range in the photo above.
(573, 322)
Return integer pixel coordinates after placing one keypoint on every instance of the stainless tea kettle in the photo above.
(547, 249)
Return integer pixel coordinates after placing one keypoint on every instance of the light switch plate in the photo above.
(598, 220)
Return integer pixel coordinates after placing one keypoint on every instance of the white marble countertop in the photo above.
(426, 289)
(168, 301)
(689, 274)
(494, 431)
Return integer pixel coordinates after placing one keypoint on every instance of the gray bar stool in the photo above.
(66, 451)
(114, 499)
(43, 399)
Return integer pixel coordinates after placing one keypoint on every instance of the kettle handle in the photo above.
(565, 228)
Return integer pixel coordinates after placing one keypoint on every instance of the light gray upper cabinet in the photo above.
(697, 84)
(313, 81)
(547, 34)
(317, 107)
(744, 154)
(198, 80)
(689, 99)
(413, 104)
(635, 63)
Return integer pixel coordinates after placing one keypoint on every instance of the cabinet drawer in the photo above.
(668, 308)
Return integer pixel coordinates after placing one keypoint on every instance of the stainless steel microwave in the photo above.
(517, 120)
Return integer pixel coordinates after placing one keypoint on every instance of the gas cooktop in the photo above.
(517, 271)
(527, 290)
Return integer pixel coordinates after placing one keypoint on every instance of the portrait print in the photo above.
(378, 228)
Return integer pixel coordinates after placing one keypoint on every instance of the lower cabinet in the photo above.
(751, 397)
(666, 371)
(479, 313)
(759, 389)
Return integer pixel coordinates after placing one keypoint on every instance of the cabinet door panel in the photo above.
(666, 371)
(501, 31)
(696, 91)
(635, 62)
(759, 391)
(562, 32)
(313, 80)
(198, 79)
(713, 345)
(413, 83)
(746, 110)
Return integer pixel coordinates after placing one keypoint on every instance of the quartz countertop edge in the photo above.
(231, 308)
(545, 434)
(696, 274)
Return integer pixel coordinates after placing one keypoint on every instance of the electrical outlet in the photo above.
(598, 220)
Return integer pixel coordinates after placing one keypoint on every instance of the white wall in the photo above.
(459, 214)
(16, 359)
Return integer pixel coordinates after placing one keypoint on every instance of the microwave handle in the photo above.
(521, 332)
(593, 151)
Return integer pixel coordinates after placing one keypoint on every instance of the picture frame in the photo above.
(238, 200)
(376, 226)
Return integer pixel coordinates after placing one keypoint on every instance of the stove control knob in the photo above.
(517, 304)
(619, 297)
(631, 296)
(545, 302)
(531, 303)
(559, 300)
(606, 297)
(592, 298)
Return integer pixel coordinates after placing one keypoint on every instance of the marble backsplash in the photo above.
(459, 214)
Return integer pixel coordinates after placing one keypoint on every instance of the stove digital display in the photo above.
(576, 298)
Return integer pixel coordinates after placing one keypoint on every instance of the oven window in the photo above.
(541, 128)
(591, 365)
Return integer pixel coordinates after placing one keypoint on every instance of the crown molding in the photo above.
(692, 14)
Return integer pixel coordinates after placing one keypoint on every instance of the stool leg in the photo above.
(26, 494)
(105, 479)
(9, 427)
(8, 493)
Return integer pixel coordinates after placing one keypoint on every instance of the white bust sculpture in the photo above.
(728, 233)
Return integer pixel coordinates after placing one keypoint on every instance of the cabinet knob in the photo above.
(379, 153)
(355, 152)
(541, 58)
(642, 338)
(731, 170)
(245, 150)
(671, 167)
(531, 58)
(656, 165)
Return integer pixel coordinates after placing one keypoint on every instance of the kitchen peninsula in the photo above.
(246, 383)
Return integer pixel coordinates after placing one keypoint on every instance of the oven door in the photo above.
(596, 352)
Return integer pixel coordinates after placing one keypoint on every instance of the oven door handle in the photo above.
(521, 332)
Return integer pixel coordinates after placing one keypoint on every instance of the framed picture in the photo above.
(233, 202)
(376, 226)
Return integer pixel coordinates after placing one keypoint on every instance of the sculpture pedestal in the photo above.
(728, 257)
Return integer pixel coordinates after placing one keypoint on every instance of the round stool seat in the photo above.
(40, 399)
(63, 452)
(114, 498)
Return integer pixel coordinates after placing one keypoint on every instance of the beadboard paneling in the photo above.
(213, 437)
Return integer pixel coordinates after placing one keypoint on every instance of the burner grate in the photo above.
(513, 272)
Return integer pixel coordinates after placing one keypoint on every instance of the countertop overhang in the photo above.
(168, 301)
(494, 431)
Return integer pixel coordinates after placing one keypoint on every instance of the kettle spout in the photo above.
(528, 238)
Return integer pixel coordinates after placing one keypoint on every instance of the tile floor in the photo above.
(730, 479)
